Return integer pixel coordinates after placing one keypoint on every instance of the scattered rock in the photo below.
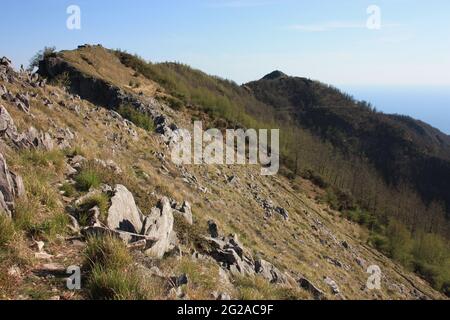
(11, 187)
(159, 225)
(179, 281)
(124, 215)
(213, 230)
(185, 211)
(332, 284)
(310, 287)
(269, 271)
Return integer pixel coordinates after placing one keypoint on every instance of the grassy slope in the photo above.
(299, 245)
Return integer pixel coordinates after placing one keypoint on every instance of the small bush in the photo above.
(139, 119)
(315, 178)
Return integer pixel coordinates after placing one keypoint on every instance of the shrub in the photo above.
(139, 119)
(315, 178)
(400, 242)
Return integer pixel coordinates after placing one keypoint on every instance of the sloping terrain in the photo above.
(402, 149)
(100, 192)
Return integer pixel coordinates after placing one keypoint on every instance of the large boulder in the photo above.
(124, 215)
(159, 225)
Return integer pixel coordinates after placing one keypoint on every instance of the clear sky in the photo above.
(242, 40)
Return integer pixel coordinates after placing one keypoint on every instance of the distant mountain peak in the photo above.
(274, 75)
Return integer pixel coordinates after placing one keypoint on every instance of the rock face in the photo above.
(308, 286)
(269, 272)
(11, 187)
(184, 210)
(159, 225)
(123, 214)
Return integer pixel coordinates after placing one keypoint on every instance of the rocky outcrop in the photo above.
(307, 285)
(269, 272)
(184, 211)
(232, 255)
(124, 215)
(11, 188)
(159, 225)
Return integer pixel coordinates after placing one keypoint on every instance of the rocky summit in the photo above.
(87, 181)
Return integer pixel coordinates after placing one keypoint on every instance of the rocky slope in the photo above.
(72, 168)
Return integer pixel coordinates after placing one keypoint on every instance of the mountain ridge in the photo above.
(111, 119)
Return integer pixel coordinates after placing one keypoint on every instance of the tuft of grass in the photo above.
(138, 118)
(41, 158)
(114, 284)
(87, 179)
(107, 253)
(68, 189)
(51, 227)
(111, 275)
(258, 288)
(7, 230)
(100, 200)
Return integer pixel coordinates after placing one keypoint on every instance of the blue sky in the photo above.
(242, 40)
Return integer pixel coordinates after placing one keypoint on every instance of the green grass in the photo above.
(68, 189)
(107, 252)
(139, 119)
(100, 200)
(7, 230)
(87, 179)
(111, 275)
(257, 288)
(114, 284)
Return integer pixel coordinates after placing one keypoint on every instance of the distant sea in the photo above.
(429, 104)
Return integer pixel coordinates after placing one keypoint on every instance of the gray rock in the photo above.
(213, 230)
(11, 187)
(269, 272)
(185, 211)
(310, 287)
(124, 215)
(179, 280)
(39, 139)
(283, 212)
(332, 284)
(159, 225)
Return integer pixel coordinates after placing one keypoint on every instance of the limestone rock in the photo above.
(159, 225)
(124, 215)
(11, 187)
(269, 272)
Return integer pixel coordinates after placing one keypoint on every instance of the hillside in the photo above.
(402, 149)
(87, 181)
